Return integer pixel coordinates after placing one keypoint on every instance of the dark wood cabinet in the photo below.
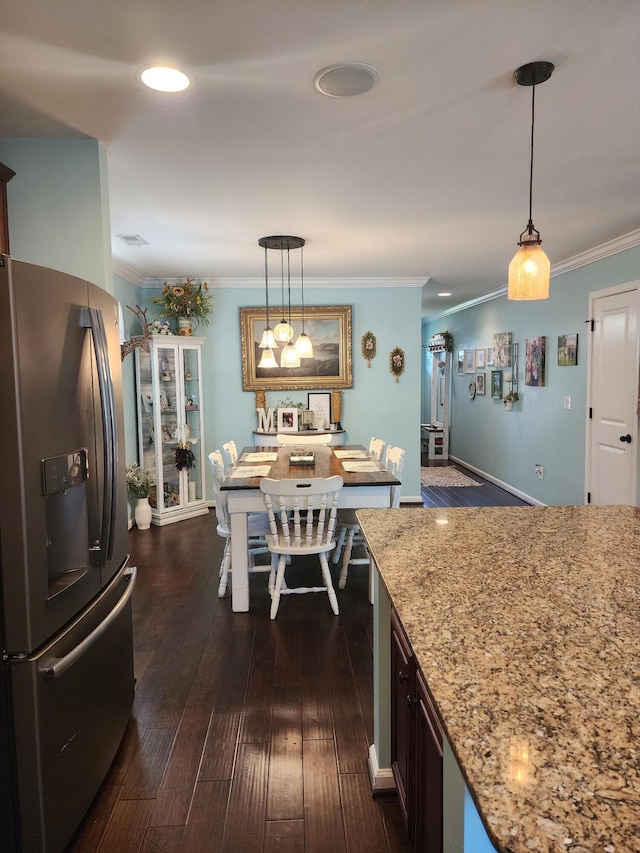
(416, 746)
(5, 176)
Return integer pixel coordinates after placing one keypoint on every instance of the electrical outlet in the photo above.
(567, 402)
(539, 471)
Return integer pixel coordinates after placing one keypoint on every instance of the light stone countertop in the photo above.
(525, 622)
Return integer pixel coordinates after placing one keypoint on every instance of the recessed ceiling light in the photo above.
(444, 293)
(162, 78)
(346, 79)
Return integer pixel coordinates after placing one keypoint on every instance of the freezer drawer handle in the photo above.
(54, 667)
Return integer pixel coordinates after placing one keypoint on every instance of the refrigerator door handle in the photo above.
(108, 409)
(55, 667)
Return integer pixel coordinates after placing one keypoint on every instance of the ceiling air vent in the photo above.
(133, 239)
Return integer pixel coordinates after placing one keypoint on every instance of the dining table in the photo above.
(366, 484)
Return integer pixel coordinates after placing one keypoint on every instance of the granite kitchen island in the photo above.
(525, 622)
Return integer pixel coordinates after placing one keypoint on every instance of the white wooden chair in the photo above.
(257, 526)
(395, 464)
(302, 519)
(230, 455)
(376, 449)
(298, 440)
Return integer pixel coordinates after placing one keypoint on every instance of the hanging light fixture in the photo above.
(289, 356)
(530, 270)
(268, 342)
(304, 346)
(283, 331)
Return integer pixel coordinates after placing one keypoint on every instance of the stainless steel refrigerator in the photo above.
(66, 685)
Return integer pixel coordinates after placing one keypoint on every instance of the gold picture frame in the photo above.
(328, 327)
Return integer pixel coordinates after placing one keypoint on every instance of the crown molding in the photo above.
(130, 274)
(597, 253)
(604, 250)
(309, 283)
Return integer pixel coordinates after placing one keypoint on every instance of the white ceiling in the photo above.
(425, 178)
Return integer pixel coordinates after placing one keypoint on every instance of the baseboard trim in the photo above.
(381, 778)
(511, 489)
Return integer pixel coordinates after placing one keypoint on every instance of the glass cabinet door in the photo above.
(192, 420)
(168, 486)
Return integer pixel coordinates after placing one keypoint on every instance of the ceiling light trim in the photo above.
(346, 79)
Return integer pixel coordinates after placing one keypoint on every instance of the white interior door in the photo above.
(611, 450)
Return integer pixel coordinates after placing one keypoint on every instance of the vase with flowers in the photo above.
(190, 303)
(509, 399)
(139, 485)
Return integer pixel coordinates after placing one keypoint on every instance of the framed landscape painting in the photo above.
(567, 350)
(329, 328)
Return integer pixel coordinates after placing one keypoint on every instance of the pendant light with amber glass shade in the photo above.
(530, 270)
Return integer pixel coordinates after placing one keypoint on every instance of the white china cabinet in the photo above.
(170, 418)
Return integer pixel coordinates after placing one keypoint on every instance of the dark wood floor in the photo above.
(486, 494)
(246, 734)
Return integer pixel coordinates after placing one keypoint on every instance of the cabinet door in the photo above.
(402, 716)
(168, 423)
(192, 420)
(428, 778)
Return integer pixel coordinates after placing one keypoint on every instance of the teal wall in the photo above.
(59, 205)
(376, 405)
(507, 445)
(129, 294)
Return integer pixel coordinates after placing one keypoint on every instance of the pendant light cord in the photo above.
(302, 283)
(533, 108)
(266, 283)
(289, 290)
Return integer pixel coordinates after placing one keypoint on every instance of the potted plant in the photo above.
(509, 399)
(139, 485)
(190, 303)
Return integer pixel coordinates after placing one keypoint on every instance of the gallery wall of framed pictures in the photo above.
(496, 371)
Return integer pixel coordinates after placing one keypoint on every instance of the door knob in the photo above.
(626, 438)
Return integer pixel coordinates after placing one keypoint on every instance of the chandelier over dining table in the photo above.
(283, 333)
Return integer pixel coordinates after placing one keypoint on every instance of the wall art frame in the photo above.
(328, 326)
(534, 365)
(287, 420)
(567, 350)
(502, 349)
(496, 384)
(319, 402)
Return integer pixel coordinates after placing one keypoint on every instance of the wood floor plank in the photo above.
(255, 725)
(216, 679)
(364, 828)
(245, 824)
(148, 766)
(127, 826)
(219, 753)
(205, 827)
(162, 839)
(323, 820)
(90, 833)
(285, 797)
(284, 836)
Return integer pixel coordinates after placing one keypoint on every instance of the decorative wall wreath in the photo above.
(368, 347)
(396, 362)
